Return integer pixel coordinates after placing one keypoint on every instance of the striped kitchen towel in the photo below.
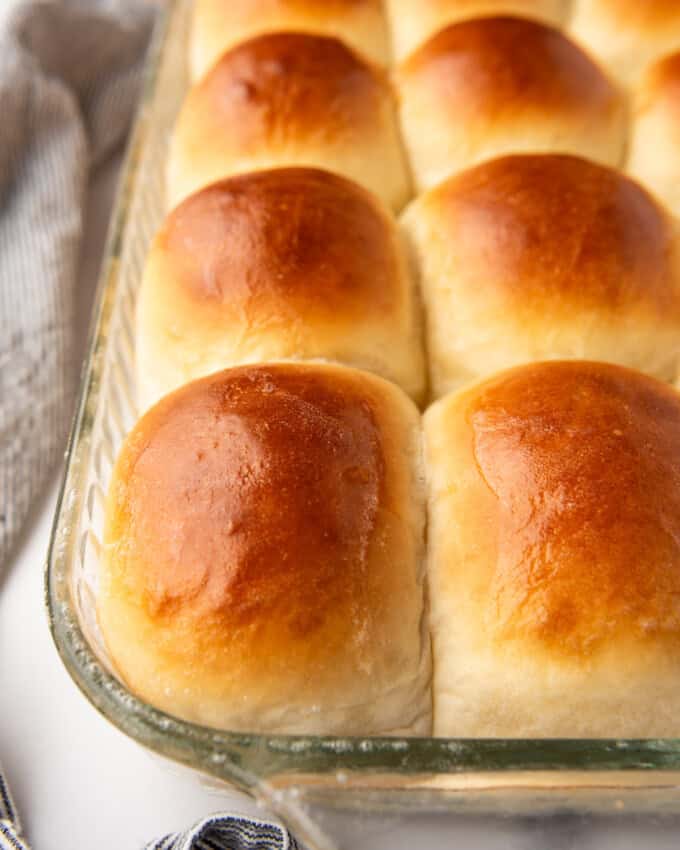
(10, 828)
(69, 78)
(228, 832)
(216, 832)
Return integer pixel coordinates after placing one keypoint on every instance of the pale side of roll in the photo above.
(218, 26)
(413, 22)
(626, 35)
(654, 153)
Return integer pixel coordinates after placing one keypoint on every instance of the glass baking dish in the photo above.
(313, 783)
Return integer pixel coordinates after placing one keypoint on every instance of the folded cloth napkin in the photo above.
(69, 77)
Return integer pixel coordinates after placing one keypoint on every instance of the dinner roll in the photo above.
(290, 99)
(627, 34)
(414, 21)
(545, 256)
(654, 155)
(220, 24)
(263, 559)
(482, 88)
(292, 263)
(554, 554)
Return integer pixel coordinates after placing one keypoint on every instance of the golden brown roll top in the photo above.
(218, 25)
(654, 155)
(414, 21)
(292, 263)
(554, 560)
(483, 88)
(263, 554)
(290, 99)
(536, 257)
(626, 35)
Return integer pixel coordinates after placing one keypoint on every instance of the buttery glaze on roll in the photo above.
(290, 99)
(626, 35)
(483, 88)
(414, 21)
(220, 24)
(654, 156)
(263, 558)
(554, 554)
(537, 257)
(294, 263)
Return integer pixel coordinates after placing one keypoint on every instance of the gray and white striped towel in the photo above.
(69, 76)
(10, 828)
(219, 832)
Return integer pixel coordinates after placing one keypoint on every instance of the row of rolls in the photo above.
(525, 240)
(376, 207)
(313, 84)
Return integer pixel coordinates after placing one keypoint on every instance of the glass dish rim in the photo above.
(239, 758)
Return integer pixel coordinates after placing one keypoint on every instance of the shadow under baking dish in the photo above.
(293, 774)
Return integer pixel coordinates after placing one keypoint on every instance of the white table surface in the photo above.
(79, 783)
